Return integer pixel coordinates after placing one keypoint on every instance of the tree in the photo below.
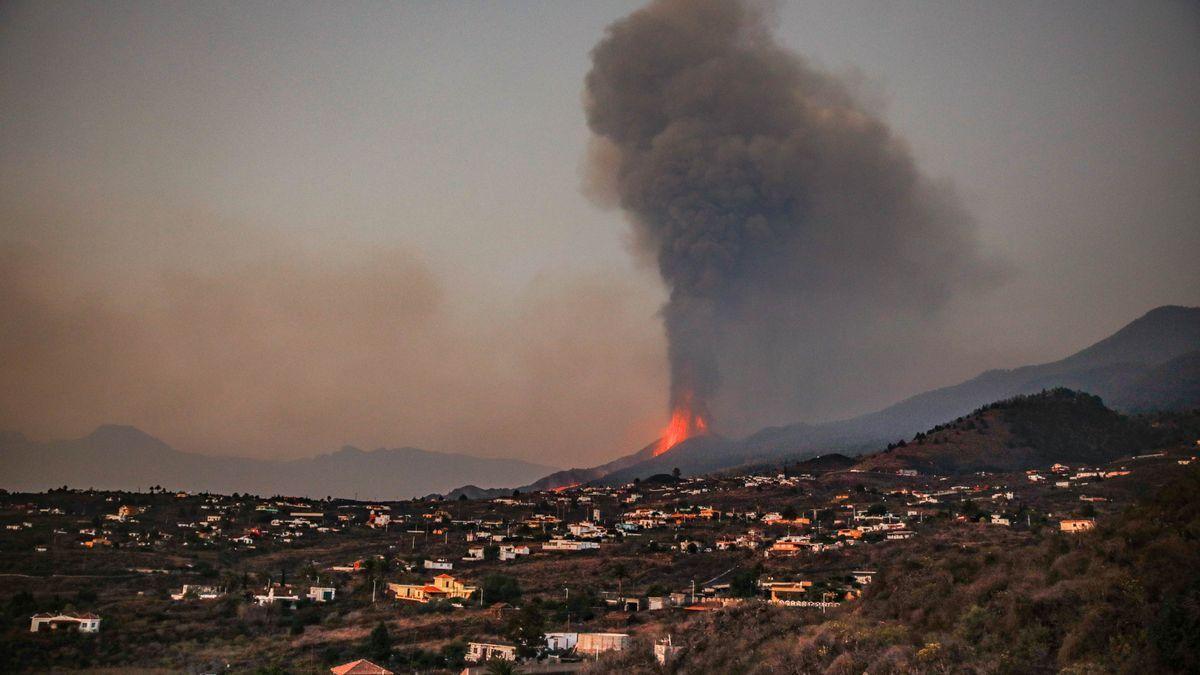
(500, 588)
(675, 472)
(501, 667)
(527, 629)
(744, 584)
(454, 653)
(379, 645)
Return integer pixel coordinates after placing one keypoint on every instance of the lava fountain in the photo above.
(685, 423)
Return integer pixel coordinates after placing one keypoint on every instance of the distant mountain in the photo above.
(122, 457)
(1174, 385)
(1150, 364)
(1023, 432)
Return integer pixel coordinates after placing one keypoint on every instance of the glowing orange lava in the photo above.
(684, 424)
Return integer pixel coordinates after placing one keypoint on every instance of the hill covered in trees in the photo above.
(1023, 432)
(1114, 600)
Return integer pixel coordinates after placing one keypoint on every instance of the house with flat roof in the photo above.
(480, 652)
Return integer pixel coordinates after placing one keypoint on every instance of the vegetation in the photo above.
(1123, 598)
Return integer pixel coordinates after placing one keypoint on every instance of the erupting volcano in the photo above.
(684, 424)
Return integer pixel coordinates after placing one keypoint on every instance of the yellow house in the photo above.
(443, 587)
(784, 592)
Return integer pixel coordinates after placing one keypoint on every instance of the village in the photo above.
(555, 580)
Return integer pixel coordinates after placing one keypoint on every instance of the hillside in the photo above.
(1023, 432)
(122, 457)
(1150, 364)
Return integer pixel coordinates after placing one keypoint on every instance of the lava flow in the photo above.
(684, 424)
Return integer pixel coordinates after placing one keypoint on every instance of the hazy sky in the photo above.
(271, 229)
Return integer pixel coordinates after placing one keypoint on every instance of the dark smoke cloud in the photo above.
(805, 253)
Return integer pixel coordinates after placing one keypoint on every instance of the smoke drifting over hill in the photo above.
(802, 247)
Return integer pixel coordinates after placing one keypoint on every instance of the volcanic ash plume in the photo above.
(800, 245)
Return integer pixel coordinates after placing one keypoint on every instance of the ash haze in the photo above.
(270, 233)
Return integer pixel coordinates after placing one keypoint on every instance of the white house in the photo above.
(561, 642)
(863, 577)
(664, 651)
(198, 592)
(479, 652)
(278, 593)
(568, 545)
(84, 623)
(586, 530)
(321, 593)
(592, 644)
(513, 552)
(439, 565)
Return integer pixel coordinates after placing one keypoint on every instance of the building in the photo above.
(664, 651)
(443, 587)
(360, 667)
(788, 592)
(508, 552)
(278, 593)
(1076, 525)
(586, 530)
(191, 591)
(569, 545)
(592, 644)
(84, 623)
(479, 652)
(863, 577)
(321, 593)
(561, 642)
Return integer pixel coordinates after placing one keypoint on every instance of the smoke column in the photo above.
(801, 246)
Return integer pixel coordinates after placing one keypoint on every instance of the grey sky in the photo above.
(241, 146)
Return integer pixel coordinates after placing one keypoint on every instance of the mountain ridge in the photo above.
(1115, 368)
(115, 456)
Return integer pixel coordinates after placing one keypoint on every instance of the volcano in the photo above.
(685, 423)
(1150, 364)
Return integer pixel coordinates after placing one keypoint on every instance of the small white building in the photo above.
(593, 644)
(198, 592)
(439, 565)
(277, 593)
(84, 623)
(561, 642)
(569, 545)
(321, 593)
(664, 651)
(513, 552)
(479, 652)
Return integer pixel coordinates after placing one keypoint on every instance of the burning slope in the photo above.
(684, 424)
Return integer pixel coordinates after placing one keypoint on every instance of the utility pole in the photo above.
(373, 581)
